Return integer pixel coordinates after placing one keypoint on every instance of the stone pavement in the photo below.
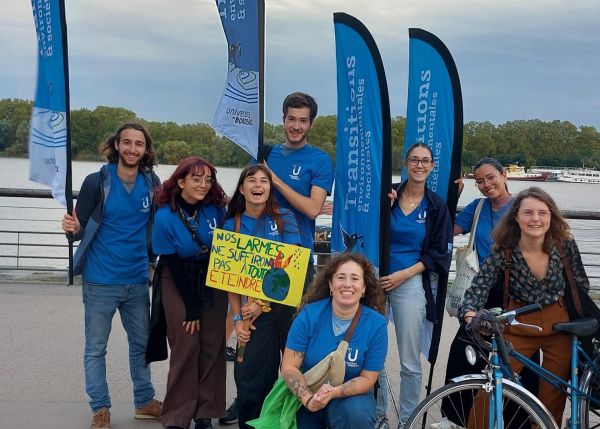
(41, 348)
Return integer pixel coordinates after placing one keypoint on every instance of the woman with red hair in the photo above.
(191, 204)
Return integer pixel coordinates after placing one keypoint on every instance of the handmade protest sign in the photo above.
(257, 267)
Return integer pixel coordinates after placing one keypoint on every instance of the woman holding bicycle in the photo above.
(531, 241)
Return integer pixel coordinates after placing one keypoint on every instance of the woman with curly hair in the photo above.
(347, 284)
(254, 211)
(191, 205)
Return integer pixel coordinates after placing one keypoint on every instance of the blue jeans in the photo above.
(100, 304)
(353, 412)
(407, 303)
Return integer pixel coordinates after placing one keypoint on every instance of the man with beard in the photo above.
(113, 219)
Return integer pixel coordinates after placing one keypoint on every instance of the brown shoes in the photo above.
(151, 411)
(101, 419)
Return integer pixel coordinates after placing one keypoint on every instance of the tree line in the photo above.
(527, 142)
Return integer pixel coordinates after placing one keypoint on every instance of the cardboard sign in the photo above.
(257, 267)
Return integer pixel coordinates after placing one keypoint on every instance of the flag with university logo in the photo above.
(239, 116)
(49, 139)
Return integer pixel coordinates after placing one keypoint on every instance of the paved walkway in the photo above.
(41, 346)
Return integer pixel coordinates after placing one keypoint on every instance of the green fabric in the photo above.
(279, 409)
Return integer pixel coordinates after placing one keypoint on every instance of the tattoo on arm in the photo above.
(296, 383)
(348, 388)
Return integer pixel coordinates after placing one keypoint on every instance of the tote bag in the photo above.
(467, 267)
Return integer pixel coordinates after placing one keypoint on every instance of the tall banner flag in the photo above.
(240, 114)
(435, 117)
(49, 134)
(361, 208)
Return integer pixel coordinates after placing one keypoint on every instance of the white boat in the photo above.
(568, 174)
(580, 175)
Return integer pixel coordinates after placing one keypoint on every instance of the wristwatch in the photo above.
(237, 318)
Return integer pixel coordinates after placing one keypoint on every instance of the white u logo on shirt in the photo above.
(296, 170)
(352, 358)
(212, 223)
(145, 202)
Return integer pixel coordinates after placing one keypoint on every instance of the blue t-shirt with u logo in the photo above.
(407, 236)
(119, 254)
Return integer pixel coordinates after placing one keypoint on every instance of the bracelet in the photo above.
(307, 402)
(237, 318)
(410, 273)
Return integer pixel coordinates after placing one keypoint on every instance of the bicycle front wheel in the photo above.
(589, 383)
(520, 411)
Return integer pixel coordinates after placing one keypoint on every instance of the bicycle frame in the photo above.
(502, 373)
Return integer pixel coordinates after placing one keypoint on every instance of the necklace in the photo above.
(413, 203)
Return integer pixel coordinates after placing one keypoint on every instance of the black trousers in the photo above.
(255, 376)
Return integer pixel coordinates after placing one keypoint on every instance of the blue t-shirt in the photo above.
(301, 170)
(407, 236)
(488, 219)
(266, 227)
(312, 334)
(118, 254)
(171, 236)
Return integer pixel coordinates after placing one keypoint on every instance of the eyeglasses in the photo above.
(206, 181)
(488, 179)
(528, 214)
(425, 162)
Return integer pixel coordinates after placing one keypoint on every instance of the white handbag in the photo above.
(467, 267)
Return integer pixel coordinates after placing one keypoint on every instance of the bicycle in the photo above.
(509, 404)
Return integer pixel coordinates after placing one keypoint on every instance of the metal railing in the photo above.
(43, 247)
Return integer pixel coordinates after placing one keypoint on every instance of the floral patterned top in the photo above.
(523, 286)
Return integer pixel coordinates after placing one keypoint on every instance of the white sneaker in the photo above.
(444, 424)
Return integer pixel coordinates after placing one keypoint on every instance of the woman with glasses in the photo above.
(420, 250)
(536, 237)
(191, 205)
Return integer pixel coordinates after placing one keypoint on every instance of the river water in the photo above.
(45, 214)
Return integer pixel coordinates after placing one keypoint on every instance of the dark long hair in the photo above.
(508, 233)
(319, 288)
(108, 149)
(168, 192)
(494, 163)
(237, 204)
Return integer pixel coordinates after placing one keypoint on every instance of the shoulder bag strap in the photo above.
(570, 279)
(237, 222)
(507, 267)
(353, 324)
(474, 224)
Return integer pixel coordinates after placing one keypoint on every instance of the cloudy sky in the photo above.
(166, 59)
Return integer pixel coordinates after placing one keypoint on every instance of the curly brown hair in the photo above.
(319, 288)
(508, 233)
(108, 149)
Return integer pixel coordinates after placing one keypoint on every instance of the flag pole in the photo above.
(68, 178)
(261, 79)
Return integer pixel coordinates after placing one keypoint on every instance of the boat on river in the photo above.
(568, 174)
(517, 172)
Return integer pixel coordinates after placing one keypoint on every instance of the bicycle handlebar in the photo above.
(527, 309)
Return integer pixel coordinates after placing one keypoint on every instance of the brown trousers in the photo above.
(556, 348)
(197, 377)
